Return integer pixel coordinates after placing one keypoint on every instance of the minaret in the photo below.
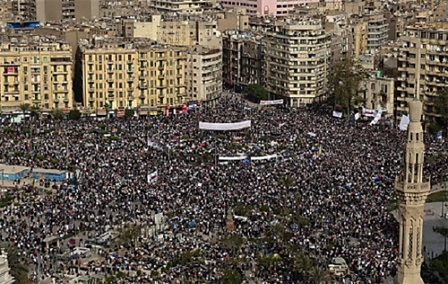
(412, 189)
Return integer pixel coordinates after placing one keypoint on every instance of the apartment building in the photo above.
(297, 60)
(203, 73)
(182, 6)
(277, 8)
(136, 9)
(422, 65)
(122, 74)
(180, 30)
(6, 12)
(56, 10)
(377, 31)
(36, 73)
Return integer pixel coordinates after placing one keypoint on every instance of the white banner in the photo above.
(337, 114)
(377, 118)
(268, 157)
(357, 116)
(404, 122)
(225, 126)
(158, 146)
(369, 112)
(232, 158)
(274, 102)
(152, 178)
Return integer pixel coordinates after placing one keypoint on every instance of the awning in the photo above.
(120, 113)
(143, 112)
(101, 112)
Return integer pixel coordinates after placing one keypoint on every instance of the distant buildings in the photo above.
(119, 74)
(297, 60)
(36, 73)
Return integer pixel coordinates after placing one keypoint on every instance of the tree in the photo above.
(35, 111)
(58, 114)
(303, 264)
(129, 234)
(256, 92)
(18, 270)
(232, 243)
(286, 181)
(231, 276)
(441, 106)
(24, 108)
(128, 113)
(74, 114)
(318, 275)
(343, 83)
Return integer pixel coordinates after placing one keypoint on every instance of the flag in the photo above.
(152, 178)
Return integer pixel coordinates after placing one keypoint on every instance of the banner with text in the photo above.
(404, 122)
(274, 102)
(225, 126)
(337, 114)
(152, 178)
(369, 112)
(268, 157)
(238, 158)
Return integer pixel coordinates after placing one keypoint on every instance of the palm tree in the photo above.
(303, 264)
(231, 276)
(318, 275)
(286, 181)
(24, 108)
(18, 270)
(57, 115)
(35, 111)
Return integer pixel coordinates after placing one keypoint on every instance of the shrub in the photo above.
(185, 137)
(49, 192)
(18, 153)
(115, 138)
(74, 114)
(40, 157)
(55, 161)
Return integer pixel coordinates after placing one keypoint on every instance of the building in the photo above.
(297, 60)
(181, 30)
(377, 31)
(119, 74)
(189, 7)
(274, 7)
(35, 72)
(378, 93)
(116, 8)
(235, 19)
(204, 74)
(422, 66)
(252, 62)
(56, 10)
(412, 189)
(6, 13)
(5, 277)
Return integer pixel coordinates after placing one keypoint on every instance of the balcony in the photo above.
(161, 67)
(110, 95)
(131, 79)
(130, 70)
(59, 72)
(13, 91)
(91, 99)
(66, 99)
(90, 71)
(35, 91)
(161, 87)
(90, 80)
(110, 70)
(141, 77)
(91, 90)
(142, 87)
(161, 76)
(161, 95)
(60, 90)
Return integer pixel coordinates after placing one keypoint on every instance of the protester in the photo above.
(343, 172)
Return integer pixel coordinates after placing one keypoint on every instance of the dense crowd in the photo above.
(328, 190)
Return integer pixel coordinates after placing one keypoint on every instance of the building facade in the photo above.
(183, 6)
(56, 10)
(36, 73)
(422, 66)
(119, 74)
(203, 74)
(297, 60)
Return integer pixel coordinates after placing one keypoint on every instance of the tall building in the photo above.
(182, 6)
(131, 73)
(5, 277)
(204, 74)
(412, 189)
(56, 10)
(422, 66)
(297, 60)
(36, 73)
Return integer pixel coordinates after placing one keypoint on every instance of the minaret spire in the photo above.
(412, 189)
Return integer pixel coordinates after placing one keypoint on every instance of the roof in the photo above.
(47, 171)
(12, 169)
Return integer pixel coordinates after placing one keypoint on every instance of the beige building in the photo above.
(297, 60)
(203, 74)
(56, 10)
(6, 12)
(131, 74)
(422, 66)
(36, 73)
(5, 277)
(182, 6)
(235, 19)
(378, 94)
(181, 31)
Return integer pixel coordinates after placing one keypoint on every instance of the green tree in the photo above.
(231, 276)
(286, 181)
(24, 108)
(35, 111)
(232, 242)
(74, 114)
(58, 114)
(303, 263)
(129, 234)
(441, 107)
(344, 83)
(18, 270)
(318, 275)
(128, 113)
(256, 92)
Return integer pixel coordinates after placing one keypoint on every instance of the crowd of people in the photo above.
(326, 194)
